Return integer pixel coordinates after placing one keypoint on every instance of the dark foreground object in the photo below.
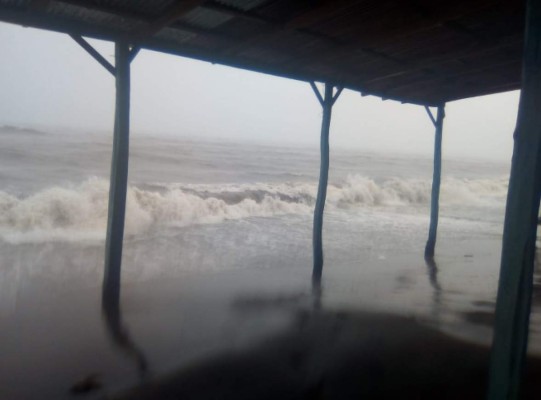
(339, 355)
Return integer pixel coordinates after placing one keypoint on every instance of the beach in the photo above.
(217, 261)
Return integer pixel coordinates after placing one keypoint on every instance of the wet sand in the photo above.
(340, 355)
(395, 328)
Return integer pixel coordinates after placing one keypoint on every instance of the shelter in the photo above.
(415, 51)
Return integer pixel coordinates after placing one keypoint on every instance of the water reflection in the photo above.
(432, 269)
(120, 336)
(334, 355)
(312, 350)
(432, 272)
(317, 292)
(478, 314)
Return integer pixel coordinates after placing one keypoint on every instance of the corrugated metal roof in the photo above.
(17, 3)
(175, 35)
(205, 18)
(244, 5)
(154, 7)
(423, 52)
(93, 17)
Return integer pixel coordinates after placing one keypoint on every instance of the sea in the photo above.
(218, 244)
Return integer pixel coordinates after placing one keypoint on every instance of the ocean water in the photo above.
(54, 186)
(215, 226)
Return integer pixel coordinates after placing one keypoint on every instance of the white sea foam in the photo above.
(79, 212)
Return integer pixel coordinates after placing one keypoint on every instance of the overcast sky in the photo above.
(48, 81)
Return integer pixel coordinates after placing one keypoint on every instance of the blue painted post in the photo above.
(435, 199)
(317, 237)
(119, 176)
(520, 227)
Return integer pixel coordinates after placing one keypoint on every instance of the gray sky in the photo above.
(47, 80)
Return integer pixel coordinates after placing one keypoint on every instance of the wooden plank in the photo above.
(119, 177)
(520, 227)
(436, 180)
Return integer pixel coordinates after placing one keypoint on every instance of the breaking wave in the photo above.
(72, 213)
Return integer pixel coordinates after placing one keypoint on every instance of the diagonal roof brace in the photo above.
(316, 91)
(337, 94)
(98, 57)
(134, 50)
(430, 115)
(94, 53)
(320, 97)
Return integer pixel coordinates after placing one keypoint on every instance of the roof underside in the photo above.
(418, 51)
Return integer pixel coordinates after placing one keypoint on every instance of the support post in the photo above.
(436, 179)
(119, 176)
(327, 102)
(520, 227)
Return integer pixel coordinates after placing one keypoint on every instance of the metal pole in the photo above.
(317, 239)
(436, 179)
(520, 227)
(119, 176)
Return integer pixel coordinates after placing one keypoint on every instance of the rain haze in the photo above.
(208, 273)
(48, 81)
